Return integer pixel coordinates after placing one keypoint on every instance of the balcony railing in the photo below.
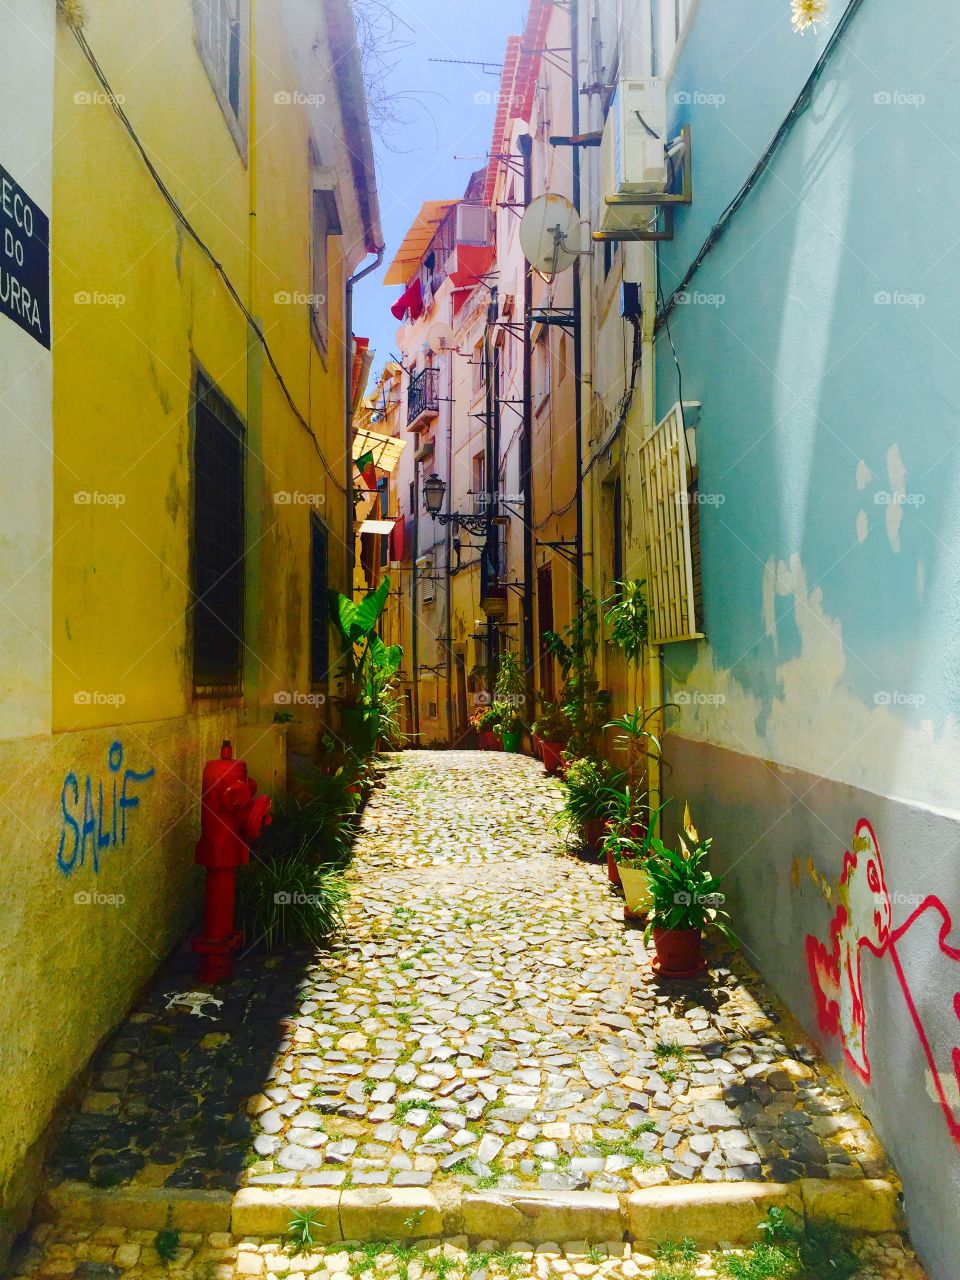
(423, 399)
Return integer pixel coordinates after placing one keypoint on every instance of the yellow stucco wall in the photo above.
(136, 309)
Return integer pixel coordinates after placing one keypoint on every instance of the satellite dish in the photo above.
(550, 234)
(440, 338)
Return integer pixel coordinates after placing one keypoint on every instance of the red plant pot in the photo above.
(593, 834)
(550, 755)
(613, 871)
(488, 741)
(678, 953)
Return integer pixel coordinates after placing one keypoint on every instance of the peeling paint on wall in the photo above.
(816, 721)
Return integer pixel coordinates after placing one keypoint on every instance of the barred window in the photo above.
(319, 605)
(218, 551)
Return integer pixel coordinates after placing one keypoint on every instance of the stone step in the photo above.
(711, 1214)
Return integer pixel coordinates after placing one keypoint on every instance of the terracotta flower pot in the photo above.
(488, 740)
(551, 756)
(678, 953)
(593, 834)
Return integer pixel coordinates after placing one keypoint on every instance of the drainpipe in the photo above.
(577, 306)
(350, 537)
(525, 143)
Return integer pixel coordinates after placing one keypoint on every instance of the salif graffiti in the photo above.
(863, 918)
(89, 825)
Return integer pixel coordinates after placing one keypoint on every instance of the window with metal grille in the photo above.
(319, 602)
(218, 551)
(219, 39)
(671, 532)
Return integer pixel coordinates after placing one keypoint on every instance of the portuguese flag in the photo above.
(368, 470)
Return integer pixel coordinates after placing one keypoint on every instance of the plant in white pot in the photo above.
(631, 849)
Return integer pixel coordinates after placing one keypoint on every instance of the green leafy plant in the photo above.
(167, 1240)
(510, 693)
(592, 789)
(686, 894)
(369, 665)
(627, 617)
(553, 723)
(793, 1248)
(626, 848)
(582, 700)
(300, 1229)
(289, 899)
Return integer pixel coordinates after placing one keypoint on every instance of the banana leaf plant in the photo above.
(369, 664)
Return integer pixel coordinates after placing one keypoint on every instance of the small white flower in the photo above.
(807, 13)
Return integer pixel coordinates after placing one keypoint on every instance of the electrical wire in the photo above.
(194, 235)
(800, 105)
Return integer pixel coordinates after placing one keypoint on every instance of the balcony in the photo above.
(423, 399)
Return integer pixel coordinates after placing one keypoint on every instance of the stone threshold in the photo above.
(711, 1214)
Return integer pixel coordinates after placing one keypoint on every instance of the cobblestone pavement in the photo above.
(109, 1253)
(486, 1017)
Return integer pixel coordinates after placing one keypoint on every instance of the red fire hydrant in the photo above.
(232, 814)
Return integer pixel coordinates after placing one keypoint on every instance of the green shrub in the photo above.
(289, 898)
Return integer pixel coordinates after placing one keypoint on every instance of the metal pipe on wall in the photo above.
(525, 144)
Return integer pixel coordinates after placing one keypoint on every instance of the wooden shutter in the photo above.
(664, 487)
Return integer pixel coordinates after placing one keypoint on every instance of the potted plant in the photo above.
(510, 699)
(591, 785)
(625, 812)
(628, 850)
(483, 721)
(553, 730)
(686, 900)
(511, 727)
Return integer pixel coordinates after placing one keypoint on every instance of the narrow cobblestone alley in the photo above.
(485, 1024)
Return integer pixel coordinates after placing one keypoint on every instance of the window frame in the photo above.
(319, 617)
(215, 60)
(210, 406)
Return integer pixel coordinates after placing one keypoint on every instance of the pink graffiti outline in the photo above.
(836, 971)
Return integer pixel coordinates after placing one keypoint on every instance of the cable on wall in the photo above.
(194, 235)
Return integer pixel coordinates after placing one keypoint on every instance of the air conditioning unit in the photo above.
(633, 152)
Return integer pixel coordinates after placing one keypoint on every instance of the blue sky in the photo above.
(417, 161)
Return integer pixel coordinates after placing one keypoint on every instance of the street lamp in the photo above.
(434, 490)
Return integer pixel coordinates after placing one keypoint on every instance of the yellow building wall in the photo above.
(85, 915)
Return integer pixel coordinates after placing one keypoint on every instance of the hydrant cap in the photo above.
(226, 750)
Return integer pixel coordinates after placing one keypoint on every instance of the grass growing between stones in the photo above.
(794, 1249)
(676, 1260)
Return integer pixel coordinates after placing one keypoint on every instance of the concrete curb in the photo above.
(713, 1214)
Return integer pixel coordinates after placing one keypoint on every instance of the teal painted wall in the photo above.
(821, 336)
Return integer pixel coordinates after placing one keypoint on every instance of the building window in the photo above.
(320, 268)
(478, 481)
(479, 367)
(319, 605)
(218, 544)
(219, 36)
(671, 533)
